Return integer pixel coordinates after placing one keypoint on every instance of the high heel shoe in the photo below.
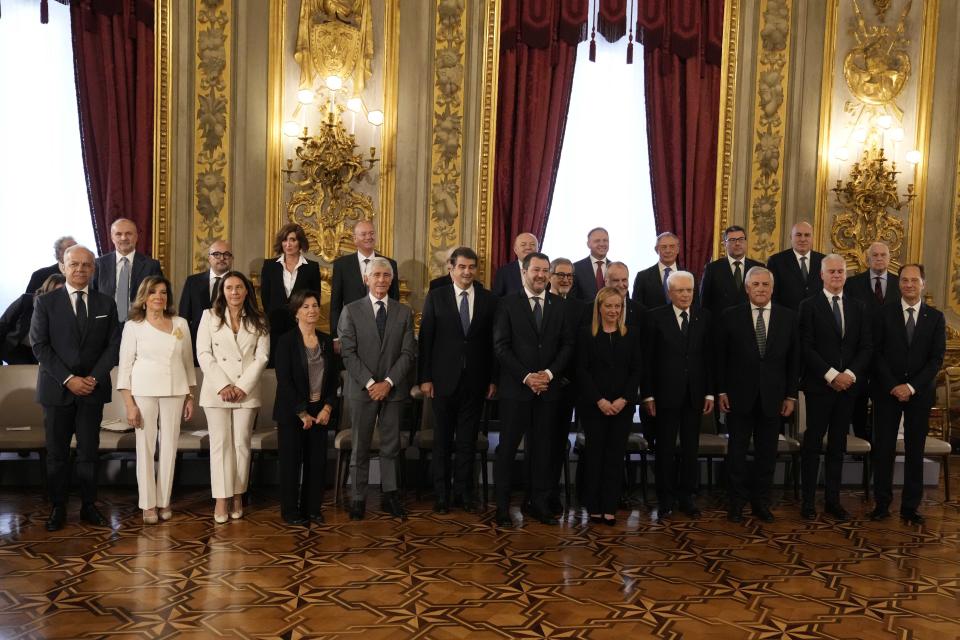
(166, 514)
(220, 519)
(149, 516)
(236, 514)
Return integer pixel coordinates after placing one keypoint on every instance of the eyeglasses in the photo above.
(735, 240)
(220, 255)
(564, 276)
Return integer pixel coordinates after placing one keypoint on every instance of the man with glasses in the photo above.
(200, 289)
(722, 285)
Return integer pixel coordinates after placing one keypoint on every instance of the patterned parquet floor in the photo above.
(456, 576)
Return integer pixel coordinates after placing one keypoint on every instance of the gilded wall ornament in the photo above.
(877, 68)
(212, 139)
(335, 38)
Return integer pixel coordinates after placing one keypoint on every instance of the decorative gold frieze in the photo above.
(488, 136)
(162, 114)
(728, 93)
(954, 293)
(446, 167)
(335, 38)
(211, 208)
(769, 128)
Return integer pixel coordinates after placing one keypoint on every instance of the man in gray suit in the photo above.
(376, 343)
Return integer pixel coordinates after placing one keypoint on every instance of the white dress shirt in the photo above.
(883, 281)
(120, 257)
(833, 373)
(213, 280)
(290, 278)
(798, 255)
(365, 265)
(743, 266)
(72, 292)
(673, 268)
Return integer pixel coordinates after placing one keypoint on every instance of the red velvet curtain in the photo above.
(113, 58)
(537, 57)
(682, 49)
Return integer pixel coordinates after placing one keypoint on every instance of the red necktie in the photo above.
(600, 281)
(877, 289)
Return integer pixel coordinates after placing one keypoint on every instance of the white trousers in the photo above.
(229, 431)
(161, 414)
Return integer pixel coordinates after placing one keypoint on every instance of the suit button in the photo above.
(539, 346)
(223, 359)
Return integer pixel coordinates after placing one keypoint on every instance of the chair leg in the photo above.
(421, 463)
(643, 478)
(946, 477)
(866, 477)
(336, 478)
(483, 477)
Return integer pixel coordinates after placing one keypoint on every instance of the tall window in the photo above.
(43, 194)
(604, 174)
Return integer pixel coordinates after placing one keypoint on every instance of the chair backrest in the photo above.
(18, 404)
(268, 396)
(951, 377)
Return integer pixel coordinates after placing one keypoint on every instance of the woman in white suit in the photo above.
(233, 346)
(155, 377)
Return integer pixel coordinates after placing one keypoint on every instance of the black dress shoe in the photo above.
(734, 515)
(611, 521)
(912, 517)
(543, 515)
(808, 512)
(503, 518)
(595, 519)
(441, 507)
(358, 509)
(555, 506)
(316, 518)
(837, 511)
(90, 515)
(295, 520)
(470, 505)
(664, 514)
(392, 505)
(763, 514)
(689, 507)
(880, 512)
(58, 516)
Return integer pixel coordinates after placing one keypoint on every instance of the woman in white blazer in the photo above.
(233, 347)
(155, 377)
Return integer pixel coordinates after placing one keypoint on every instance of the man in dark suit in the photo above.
(618, 277)
(76, 339)
(348, 275)
(678, 389)
(874, 287)
(909, 346)
(120, 272)
(796, 270)
(722, 285)
(457, 370)
(38, 277)
(508, 278)
(650, 285)
(379, 354)
(836, 340)
(590, 273)
(758, 366)
(200, 289)
(533, 344)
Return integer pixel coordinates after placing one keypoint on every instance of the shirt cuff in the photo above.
(549, 373)
(370, 383)
(650, 399)
(912, 390)
(851, 374)
(527, 376)
(708, 397)
(790, 398)
(830, 375)
(390, 381)
(67, 380)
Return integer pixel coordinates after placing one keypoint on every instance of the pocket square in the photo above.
(98, 317)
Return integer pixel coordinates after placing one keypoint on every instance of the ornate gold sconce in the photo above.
(866, 198)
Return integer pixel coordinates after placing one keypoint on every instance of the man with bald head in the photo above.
(120, 272)
(200, 289)
(796, 270)
(349, 271)
(875, 288)
(76, 339)
(835, 335)
(591, 272)
(507, 279)
(618, 277)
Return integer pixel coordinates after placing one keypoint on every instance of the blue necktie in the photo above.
(666, 290)
(464, 312)
(381, 319)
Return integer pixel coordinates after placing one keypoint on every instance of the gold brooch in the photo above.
(178, 334)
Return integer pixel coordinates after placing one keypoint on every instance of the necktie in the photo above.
(215, 289)
(81, 313)
(684, 324)
(537, 312)
(666, 291)
(381, 318)
(837, 315)
(803, 268)
(464, 312)
(877, 289)
(123, 290)
(911, 325)
(363, 276)
(761, 330)
(600, 281)
(738, 275)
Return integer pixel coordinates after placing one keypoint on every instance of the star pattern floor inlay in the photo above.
(457, 576)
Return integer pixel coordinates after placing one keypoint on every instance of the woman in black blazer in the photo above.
(608, 372)
(280, 277)
(308, 373)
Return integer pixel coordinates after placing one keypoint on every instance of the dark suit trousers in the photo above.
(827, 413)
(457, 420)
(534, 419)
(303, 466)
(560, 440)
(765, 432)
(603, 459)
(887, 413)
(672, 423)
(60, 424)
(861, 428)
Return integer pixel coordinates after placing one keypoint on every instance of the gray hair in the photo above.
(831, 257)
(676, 275)
(758, 269)
(379, 261)
(59, 249)
(77, 247)
(559, 261)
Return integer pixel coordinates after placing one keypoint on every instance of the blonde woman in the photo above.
(233, 346)
(609, 369)
(155, 377)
